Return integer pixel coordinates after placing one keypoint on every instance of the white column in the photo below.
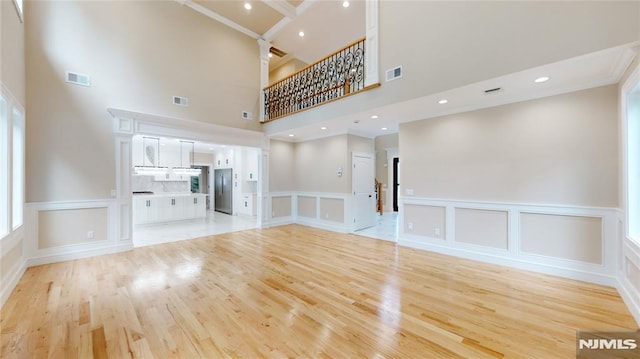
(123, 129)
(264, 73)
(371, 44)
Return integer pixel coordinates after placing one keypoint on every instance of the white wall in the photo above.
(531, 184)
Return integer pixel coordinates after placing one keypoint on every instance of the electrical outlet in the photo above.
(436, 232)
(410, 226)
(113, 193)
(409, 191)
(273, 214)
(326, 215)
(90, 235)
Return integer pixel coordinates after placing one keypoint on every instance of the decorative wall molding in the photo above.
(114, 242)
(628, 291)
(604, 273)
(342, 227)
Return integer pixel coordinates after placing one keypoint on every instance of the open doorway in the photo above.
(173, 186)
(396, 161)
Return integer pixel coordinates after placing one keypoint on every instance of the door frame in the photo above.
(372, 205)
(392, 153)
(126, 124)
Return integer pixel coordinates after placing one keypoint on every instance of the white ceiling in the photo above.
(327, 24)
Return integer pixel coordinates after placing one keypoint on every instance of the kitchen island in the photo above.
(168, 207)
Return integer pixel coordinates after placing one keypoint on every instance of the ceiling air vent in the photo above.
(246, 115)
(394, 73)
(180, 101)
(497, 89)
(77, 79)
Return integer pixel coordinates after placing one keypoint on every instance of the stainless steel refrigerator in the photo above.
(223, 191)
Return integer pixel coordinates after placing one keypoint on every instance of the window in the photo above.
(18, 167)
(4, 167)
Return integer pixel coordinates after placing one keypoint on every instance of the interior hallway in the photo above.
(386, 227)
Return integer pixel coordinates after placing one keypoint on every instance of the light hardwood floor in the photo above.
(294, 291)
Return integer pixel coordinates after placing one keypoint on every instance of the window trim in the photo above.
(14, 105)
(630, 86)
(6, 169)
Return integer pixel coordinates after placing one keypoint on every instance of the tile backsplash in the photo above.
(147, 183)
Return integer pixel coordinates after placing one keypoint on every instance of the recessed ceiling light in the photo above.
(247, 6)
(384, 129)
(301, 34)
(270, 55)
(291, 135)
(345, 4)
(210, 148)
(374, 116)
(541, 79)
(323, 128)
(443, 101)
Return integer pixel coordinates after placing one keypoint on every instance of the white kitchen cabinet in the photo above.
(223, 159)
(252, 165)
(189, 207)
(195, 206)
(145, 209)
(201, 206)
(171, 209)
(249, 204)
(166, 208)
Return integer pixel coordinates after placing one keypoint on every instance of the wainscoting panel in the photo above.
(307, 207)
(60, 230)
(427, 221)
(629, 276)
(573, 242)
(482, 227)
(281, 206)
(576, 238)
(329, 211)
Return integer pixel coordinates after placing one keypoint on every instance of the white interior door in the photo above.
(363, 184)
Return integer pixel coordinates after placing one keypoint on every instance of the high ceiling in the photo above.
(327, 24)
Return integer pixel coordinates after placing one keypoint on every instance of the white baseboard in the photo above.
(278, 221)
(630, 295)
(539, 267)
(78, 252)
(322, 224)
(12, 280)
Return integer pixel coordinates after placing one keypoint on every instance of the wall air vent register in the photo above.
(77, 79)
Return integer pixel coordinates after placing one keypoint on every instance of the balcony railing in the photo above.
(337, 75)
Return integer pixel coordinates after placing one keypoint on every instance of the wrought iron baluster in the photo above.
(337, 75)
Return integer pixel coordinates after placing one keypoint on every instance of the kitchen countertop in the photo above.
(169, 194)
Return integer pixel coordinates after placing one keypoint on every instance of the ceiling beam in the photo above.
(306, 4)
(282, 7)
(275, 29)
(214, 15)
